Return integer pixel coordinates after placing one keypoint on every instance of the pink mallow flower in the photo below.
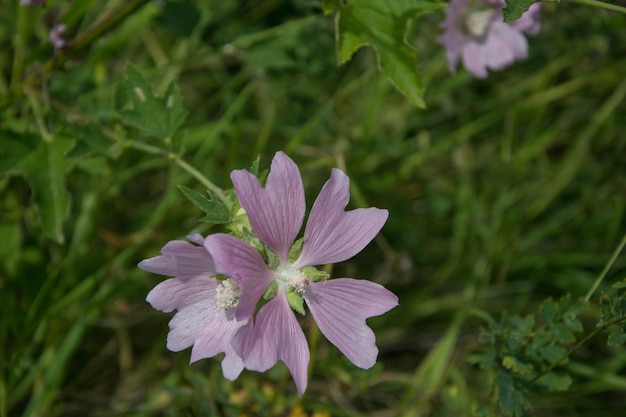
(339, 306)
(206, 305)
(474, 31)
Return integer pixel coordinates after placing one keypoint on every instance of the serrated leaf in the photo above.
(555, 381)
(216, 212)
(549, 310)
(89, 141)
(552, 353)
(383, 25)
(157, 116)
(562, 334)
(616, 339)
(514, 9)
(42, 164)
(573, 324)
(512, 401)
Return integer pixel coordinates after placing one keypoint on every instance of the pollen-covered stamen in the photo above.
(477, 23)
(289, 278)
(227, 294)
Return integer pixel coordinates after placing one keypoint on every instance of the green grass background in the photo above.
(502, 192)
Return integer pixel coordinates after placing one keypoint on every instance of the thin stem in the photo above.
(575, 347)
(154, 150)
(606, 268)
(204, 180)
(602, 5)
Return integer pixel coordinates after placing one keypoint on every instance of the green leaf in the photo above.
(553, 353)
(296, 302)
(512, 401)
(42, 164)
(549, 310)
(562, 334)
(514, 9)
(516, 365)
(555, 381)
(216, 212)
(157, 116)
(616, 339)
(383, 25)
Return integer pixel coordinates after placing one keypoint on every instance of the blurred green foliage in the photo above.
(505, 195)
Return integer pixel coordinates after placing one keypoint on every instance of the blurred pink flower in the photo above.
(56, 36)
(339, 306)
(205, 305)
(31, 2)
(474, 32)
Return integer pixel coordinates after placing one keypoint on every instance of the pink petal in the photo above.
(474, 59)
(529, 21)
(216, 338)
(340, 307)
(181, 260)
(505, 44)
(332, 234)
(277, 335)
(195, 301)
(240, 261)
(276, 211)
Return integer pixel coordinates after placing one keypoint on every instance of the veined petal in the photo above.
(240, 261)
(182, 260)
(215, 338)
(340, 308)
(276, 211)
(195, 301)
(332, 234)
(277, 335)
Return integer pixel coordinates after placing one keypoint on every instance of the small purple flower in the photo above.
(206, 306)
(56, 36)
(339, 306)
(474, 31)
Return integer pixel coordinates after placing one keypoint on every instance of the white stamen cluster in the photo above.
(227, 294)
(289, 278)
(477, 23)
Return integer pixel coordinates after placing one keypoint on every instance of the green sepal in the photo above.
(270, 291)
(295, 250)
(216, 212)
(296, 302)
(313, 274)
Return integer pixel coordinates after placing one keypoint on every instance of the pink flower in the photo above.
(476, 33)
(339, 306)
(56, 36)
(206, 306)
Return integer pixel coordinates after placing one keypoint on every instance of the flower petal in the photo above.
(195, 301)
(240, 261)
(277, 335)
(340, 307)
(276, 211)
(182, 260)
(332, 234)
(215, 338)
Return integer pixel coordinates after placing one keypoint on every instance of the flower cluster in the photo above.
(219, 284)
(474, 32)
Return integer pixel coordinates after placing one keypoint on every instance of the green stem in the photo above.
(576, 346)
(602, 5)
(606, 268)
(154, 150)
(203, 180)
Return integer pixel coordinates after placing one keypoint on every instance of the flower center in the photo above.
(227, 294)
(289, 278)
(477, 23)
